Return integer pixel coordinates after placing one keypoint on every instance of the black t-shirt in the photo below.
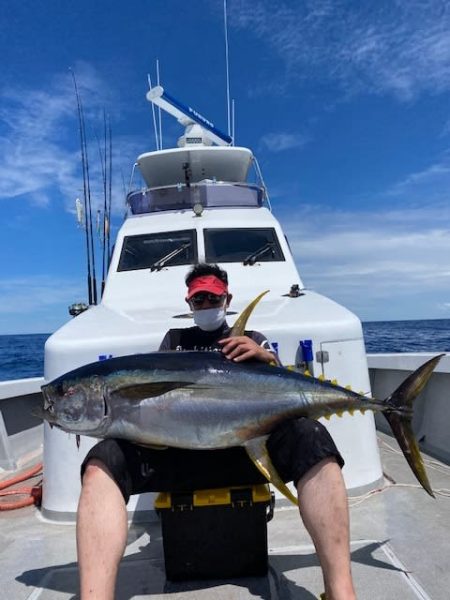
(194, 338)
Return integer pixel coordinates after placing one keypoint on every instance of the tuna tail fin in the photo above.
(257, 452)
(240, 323)
(399, 413)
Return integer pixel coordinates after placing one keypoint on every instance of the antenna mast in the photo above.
(155, 128)
(233, 126)
(159, 108)
(227, 66)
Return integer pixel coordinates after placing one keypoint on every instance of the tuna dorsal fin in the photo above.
(240, 323)
(257, 451)
(152, 389)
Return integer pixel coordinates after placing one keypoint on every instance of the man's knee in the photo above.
(94, 470)
(105, 462)
(298, 445)
(322, 467)
(299, 436)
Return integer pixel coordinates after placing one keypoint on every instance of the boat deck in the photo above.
(398, 541)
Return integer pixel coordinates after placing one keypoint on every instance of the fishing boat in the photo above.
(205, 201)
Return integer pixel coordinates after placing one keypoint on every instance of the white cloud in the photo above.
(37, 293)
(374, 262)
(389, 258)
(431, 184)
(401, 48)
(37, 304)
(277, 142)
(39, 140)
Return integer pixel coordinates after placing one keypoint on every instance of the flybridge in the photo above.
(187, 116)
(206, 170)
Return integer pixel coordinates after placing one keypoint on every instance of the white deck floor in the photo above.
(399, 550)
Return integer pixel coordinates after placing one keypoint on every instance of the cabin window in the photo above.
(155, 251)
(246, 245)
(183, 197)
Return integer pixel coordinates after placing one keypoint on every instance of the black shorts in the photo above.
(294, 447)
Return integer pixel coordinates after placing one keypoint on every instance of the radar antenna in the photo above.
(186, 115)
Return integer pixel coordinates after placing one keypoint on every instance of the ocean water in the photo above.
(22, 356)
(431, 335)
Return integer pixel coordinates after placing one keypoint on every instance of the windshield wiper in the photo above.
(159, 264)
(251, 258)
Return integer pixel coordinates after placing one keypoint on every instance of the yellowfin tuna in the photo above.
(201, 400)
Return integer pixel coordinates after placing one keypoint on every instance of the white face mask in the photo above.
(209, 319)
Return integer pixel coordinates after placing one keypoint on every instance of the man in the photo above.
(301, 450)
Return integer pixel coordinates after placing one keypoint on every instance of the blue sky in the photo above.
(346, 105)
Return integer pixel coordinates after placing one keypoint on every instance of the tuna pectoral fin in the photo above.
(257, 451)
(154, 447)
(140, 391)
(240, 323)
(399, 416)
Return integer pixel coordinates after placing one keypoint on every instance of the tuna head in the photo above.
(76, 405)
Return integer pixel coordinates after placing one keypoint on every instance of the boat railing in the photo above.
(20, 430)
(206, 194)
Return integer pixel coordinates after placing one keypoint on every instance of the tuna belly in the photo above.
(195, 419)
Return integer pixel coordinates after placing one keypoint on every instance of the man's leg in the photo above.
(101, 532)
(324, 509)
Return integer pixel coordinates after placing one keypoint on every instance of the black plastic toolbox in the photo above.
(217, 533)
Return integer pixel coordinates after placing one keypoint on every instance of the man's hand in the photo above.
(243, 348)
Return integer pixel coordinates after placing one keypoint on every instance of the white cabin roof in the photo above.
(176, 165)
(217, 217)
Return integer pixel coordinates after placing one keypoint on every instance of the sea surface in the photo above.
(22, 356)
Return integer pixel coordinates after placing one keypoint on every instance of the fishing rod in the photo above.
(105, 201)
(89, 204)
(105, 207)
(83, 161)
(106, 166)
(108, 228)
